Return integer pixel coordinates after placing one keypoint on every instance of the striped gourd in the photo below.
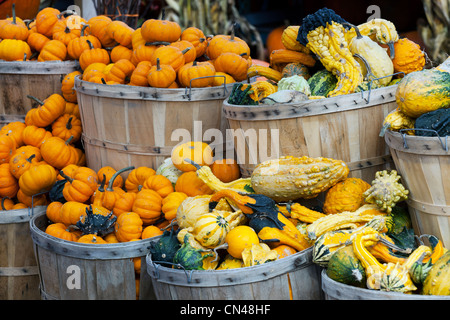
(328, 243)
(322, 82)
(345, 267)
(423, 91)
(211, 228)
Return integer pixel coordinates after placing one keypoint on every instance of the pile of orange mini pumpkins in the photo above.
(33, 152)
(158, 54)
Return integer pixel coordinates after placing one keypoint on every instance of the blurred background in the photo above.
(261, 22)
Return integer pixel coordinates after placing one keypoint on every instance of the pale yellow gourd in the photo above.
(378, 61)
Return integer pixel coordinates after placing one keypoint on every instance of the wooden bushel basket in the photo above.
(19, 279)
(78, 271)
(294, 277)
(334, 290)
(345, 127)
(424, 165)
(127, 125)
(21, 78)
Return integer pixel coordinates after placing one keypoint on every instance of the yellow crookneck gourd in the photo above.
(397, 120)
(241, 185)
(386, 277)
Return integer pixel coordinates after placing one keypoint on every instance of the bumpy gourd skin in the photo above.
(290, 178)
(386, 191)
(324, 34)
(379, 30)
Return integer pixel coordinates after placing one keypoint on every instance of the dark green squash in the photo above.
(322, 82)
(241, 97)
(399, 218)
(98, 224)
(190, 258)
(346, 268)
(165, 248)
(55, 193)
(438, 120)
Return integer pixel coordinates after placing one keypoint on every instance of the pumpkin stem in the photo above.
(196, 165)
(157, 43)
(101, 188)
(14, 13)
(111, 181)
(91, 46)
(186, 50)
(69, 140)
(158, 65)
(35, 99)
(31, 158)
(233, 25)
(84, 26)
(24, 57)
(69, 123)
(103, 81)
(3, 203)
(65, 176)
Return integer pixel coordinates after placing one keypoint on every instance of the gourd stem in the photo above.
(103, 81)
(35, 99)
(358, 33)
(65, 176)
(158, 65)
(222, 246)
(111, 181)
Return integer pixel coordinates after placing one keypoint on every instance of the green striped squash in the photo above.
(423, 91)
(346, 268)
(322, 82)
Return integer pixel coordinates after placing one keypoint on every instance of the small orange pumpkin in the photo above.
(226, 170)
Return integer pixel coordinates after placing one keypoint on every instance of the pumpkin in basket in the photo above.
(67, 86)
(14, 50)
(77, 45)
(153, 30)
(48, 111)
(161, 75)
(196, 151)
(120, 32)
(128, 226)
(188, 74)
(148, 205)
(8, 183)
(197, 38)
(53, 50)
(14, 28)
(227, 43)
